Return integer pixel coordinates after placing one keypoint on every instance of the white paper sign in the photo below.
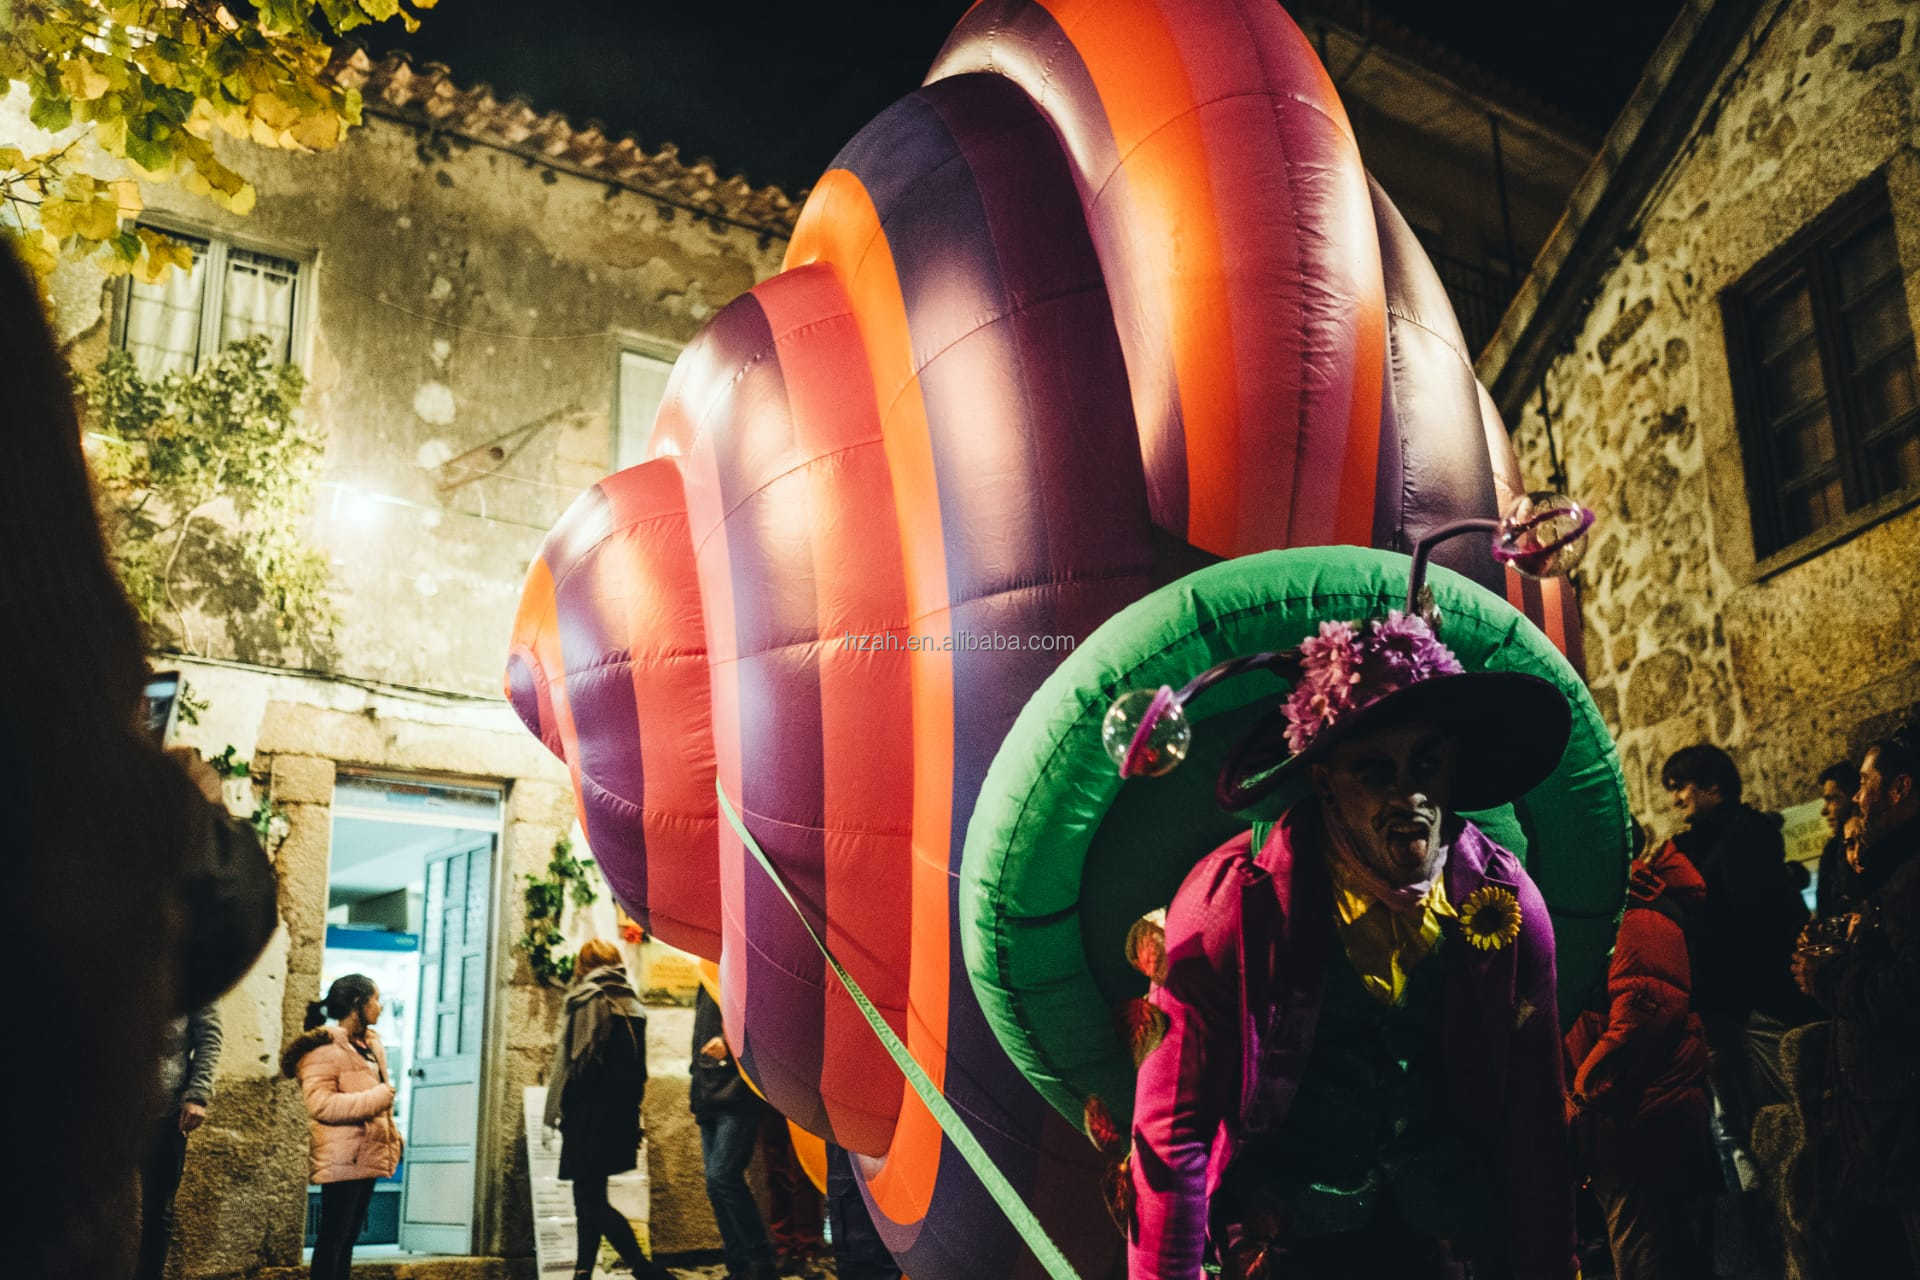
(552, 1195)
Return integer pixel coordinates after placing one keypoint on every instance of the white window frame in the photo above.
(219, 244)
(626, 344)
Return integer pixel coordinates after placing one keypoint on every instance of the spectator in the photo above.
(728, 1112)
(352, 1140)
(1637, 1106)
(858, 1253)
(107, 840)
(186, 1087)
(1870, 980)
(594, 1093)
(793, 1206)
(1742, 980)
(1836, 885)
(1802, 881)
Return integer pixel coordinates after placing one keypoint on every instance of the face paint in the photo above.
(1385, 795)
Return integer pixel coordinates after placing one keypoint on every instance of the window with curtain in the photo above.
(230, 294)
(1821, 349)
(642, 386)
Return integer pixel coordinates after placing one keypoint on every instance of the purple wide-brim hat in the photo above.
(1509, 731)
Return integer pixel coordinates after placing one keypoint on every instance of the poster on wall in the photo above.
(553, 1235)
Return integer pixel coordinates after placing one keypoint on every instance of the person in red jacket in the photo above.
(1637, 1105)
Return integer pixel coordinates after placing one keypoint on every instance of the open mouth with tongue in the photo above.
(1407, 842)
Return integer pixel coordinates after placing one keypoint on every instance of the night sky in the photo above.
(773, 90)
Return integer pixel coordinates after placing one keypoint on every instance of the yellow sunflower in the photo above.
(1490, 918)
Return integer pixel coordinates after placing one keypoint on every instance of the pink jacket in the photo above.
(349, 1105)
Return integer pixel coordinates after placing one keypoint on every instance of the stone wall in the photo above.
(1788, 663)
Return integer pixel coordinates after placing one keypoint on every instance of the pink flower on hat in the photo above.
(1345, 668)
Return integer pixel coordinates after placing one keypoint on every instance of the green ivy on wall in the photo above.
(567, 878)
(268, 822)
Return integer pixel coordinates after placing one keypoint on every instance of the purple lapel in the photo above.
(1480, 987)
(1285, 980)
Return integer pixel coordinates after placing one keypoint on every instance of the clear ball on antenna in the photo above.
(1146, 732)
(1543, 534)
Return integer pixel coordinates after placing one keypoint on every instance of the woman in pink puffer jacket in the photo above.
(342, 1071)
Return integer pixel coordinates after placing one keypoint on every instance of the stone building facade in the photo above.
(484, 300)
(1625, 368)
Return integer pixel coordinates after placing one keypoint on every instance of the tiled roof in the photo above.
(427, 95)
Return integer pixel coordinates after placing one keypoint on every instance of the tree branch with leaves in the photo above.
(149, 84)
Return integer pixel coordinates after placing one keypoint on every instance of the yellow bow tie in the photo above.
(1385, 946)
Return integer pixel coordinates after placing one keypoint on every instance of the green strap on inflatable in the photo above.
(951, 1124)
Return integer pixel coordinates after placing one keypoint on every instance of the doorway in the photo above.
(409, 896)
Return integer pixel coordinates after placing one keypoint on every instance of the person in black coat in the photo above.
(728, 1112)
(1743, 950)
(594, 1093)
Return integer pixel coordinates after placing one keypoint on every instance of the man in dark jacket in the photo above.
(1742, 983)
(187, 1063)
(858, 1253)
(1871, 983)
(728, 1112)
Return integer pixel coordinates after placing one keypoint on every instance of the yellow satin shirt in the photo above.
(1384, 946)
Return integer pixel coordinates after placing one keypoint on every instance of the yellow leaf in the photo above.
(111, 136)
(40, 251)
(98, 220)
(200, 120)
(196, 183)
(58, 217)
(78, 187)
(12, 159)
(263, 133)
(126, 197)
(242, 201)
(150, 270)
(316, 132)
(276, 111)
(161, 256)
(82, 80)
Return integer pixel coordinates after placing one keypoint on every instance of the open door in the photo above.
(437, 1200)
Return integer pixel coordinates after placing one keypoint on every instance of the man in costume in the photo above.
(1360, 1073)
